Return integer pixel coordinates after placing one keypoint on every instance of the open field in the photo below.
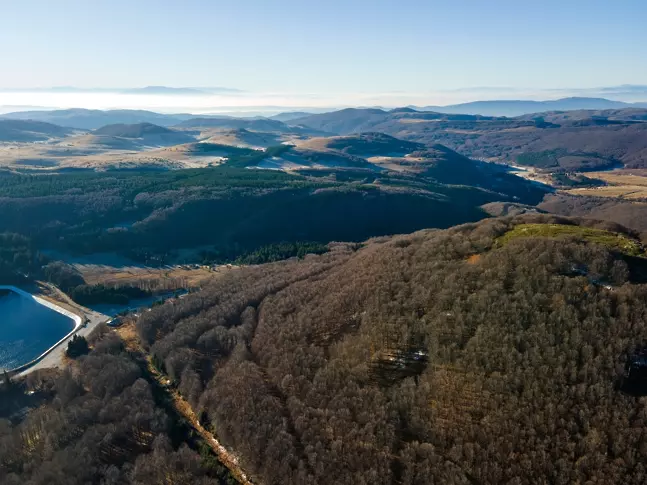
(621, 177)
(46, 156)
(167, 279)
(622, 184)
(145, 146)
(631, 192)
(243, 138)
(395, 163)
(613, 241)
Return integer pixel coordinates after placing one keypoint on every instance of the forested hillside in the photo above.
(486, 353)
(149, 215)
(18, 258)
(632, 214)
(104, 424)
(584, 140)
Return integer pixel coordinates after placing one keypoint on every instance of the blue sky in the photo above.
(326, 48)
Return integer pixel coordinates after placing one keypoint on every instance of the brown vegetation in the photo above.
(102, 423)
(590, 141)
(632, 214)
(402, 363)
(150, 279)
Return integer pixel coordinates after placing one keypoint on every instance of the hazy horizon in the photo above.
(294, 54)
(232, 100)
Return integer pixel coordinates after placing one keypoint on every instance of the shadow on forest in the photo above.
(634, 381)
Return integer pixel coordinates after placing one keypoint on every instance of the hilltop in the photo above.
(30, 131)
(262, 124)
(289, 116)
(138, 130)
(364, 144)
(147, 133)
(343, 121)
(242, 137)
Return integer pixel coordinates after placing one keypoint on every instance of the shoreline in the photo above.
(77, 319)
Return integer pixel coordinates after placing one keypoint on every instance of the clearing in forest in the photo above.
(621, 184)
(612, 240)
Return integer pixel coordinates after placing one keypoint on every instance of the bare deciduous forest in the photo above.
(451, 356)
(467, 355)
(100, 423)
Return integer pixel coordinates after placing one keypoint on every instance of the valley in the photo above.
(355, 293)
(214, 190)
(308, 243)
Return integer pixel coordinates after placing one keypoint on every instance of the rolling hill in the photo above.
(243, 138)
(231, 207)
(558, 117)
(357, 120)
(30, 131)
(364, 144)
(556, 141)
(262, 124)
(551, 141)
(91, 119)
(91, 144)
(146, 133)
(138, 130)
(344, 121)
(371, 150)
(289, 116)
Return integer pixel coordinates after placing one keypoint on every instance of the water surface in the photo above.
(27, 329)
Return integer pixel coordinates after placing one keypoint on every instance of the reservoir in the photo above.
(28, 328)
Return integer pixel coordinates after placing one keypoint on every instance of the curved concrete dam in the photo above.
(30, 327)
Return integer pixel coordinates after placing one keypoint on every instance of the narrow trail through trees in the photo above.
(131, 340)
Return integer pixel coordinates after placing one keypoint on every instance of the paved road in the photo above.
(55, 357)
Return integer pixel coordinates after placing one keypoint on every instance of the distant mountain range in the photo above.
(522, 107)
(91, 119)
(358, 118)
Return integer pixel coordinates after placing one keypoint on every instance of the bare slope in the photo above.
(146, 133)
(364, 144)
(243, 138)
